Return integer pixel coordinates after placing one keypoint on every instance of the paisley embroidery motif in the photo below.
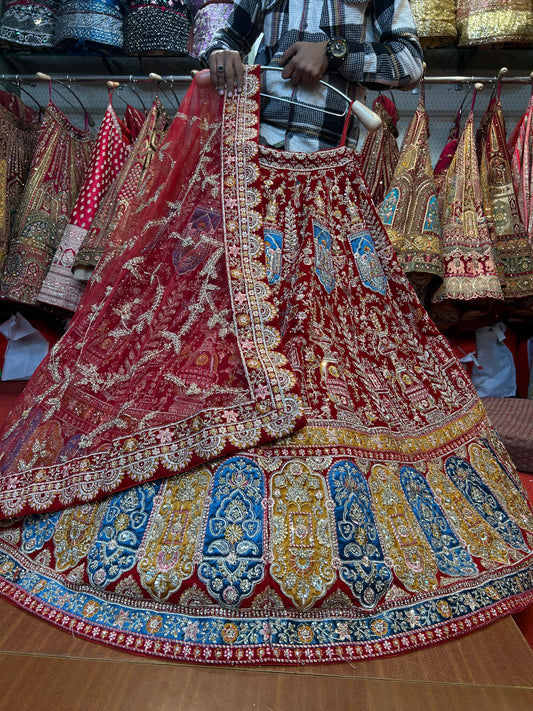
(232, 554)
(172, 535)
(362, 560)
(403, 539)
(38, 530)
(482, 541)
(452, 558)
(324, 267)
(123, 526)
(367, 262)
(470, 484)
(301, 541)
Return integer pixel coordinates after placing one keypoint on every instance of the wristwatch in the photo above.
(336, 52)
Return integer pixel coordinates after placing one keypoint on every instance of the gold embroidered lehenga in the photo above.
(252, 445)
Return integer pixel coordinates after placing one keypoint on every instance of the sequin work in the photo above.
(252, 445)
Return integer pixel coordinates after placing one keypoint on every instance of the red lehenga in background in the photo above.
(252, 445)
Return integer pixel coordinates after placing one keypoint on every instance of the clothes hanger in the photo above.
(45, 77)
(28, 93)
(370, 120)
(134, 91)
(156, 77)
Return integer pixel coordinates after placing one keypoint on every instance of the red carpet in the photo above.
(9, 391)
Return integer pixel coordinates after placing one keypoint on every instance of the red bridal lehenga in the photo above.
(252, 445)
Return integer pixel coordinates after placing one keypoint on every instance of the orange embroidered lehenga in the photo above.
(252, 445)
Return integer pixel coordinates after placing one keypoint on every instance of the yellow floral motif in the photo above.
(171, 538)
(301, 541)
(229, 633)
(75, 533)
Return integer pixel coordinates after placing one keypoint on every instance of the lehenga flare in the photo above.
(252, 445)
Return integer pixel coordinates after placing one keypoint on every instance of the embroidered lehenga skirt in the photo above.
(252, 445)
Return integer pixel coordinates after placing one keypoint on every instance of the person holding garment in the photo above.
(351, 45)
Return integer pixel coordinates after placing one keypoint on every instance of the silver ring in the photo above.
(220, 68)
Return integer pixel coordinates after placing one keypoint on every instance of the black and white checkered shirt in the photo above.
(383, 51)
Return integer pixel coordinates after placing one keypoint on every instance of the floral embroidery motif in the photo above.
(451, 556)
(172, 535)
(301, 540)
(37, 530)
(468, 481)
(232, 553)
(362, 561)
(121, 532)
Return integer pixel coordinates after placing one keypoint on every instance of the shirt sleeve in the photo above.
(243, 27)
(391, 54)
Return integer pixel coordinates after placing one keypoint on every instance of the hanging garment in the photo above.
(56, 173)
(29, 24)
(86, 23)
(445, 159)
(471, 287)
(520, 147)
(103, 230)
(158, 26)
(410, 210)
(60, 288)
(252, 445)
(487, 22)
(435, 22)
(19, 127)
(380, 150)
(207, 17)
(512, 250)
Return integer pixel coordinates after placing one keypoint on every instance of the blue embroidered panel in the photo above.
(367, 262)
(273, 252)
(37, 530)
(388, 206)
(452, 558)
(232, 554)
(324, 267)
(468, 481)
(432, 219)
(362, 560)
(115, 547)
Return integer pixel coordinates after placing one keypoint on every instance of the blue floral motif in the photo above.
(452, 558)
(367, 262)
(37, 529)
(324, 267)
(115, 547)
(470, 484)
(232, 554)
(387, 208)
(432, 220)
(273, 251)
(363, 567)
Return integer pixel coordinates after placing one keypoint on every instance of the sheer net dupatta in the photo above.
(173, 357)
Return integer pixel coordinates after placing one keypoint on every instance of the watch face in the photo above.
(337, 48)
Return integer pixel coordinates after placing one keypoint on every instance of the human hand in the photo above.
(305, 63)
(226, 71)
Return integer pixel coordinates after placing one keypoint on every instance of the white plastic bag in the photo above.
(25, 349)
(496, 374)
